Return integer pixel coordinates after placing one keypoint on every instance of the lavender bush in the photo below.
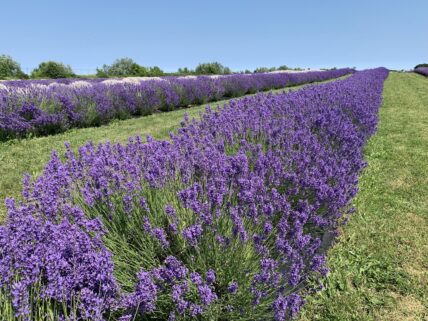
(43, 107)
(422, 70)
(228, 220)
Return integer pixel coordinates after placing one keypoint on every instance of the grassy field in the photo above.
(30, 155)
(379, 267)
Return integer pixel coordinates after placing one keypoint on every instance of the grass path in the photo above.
(379, 267)
(30, 155)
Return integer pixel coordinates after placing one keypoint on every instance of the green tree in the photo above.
(122, 67)
(155, 71)
(126, 67)
(52, 69)
(283, 67)
(212, 68)
(9, 68)
(264, 69)
(185, 71)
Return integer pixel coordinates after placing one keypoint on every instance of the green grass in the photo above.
(30, 155)
(379, 267)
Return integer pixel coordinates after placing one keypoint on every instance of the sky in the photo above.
(86, 34)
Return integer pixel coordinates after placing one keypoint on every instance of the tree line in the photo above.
(123, 67)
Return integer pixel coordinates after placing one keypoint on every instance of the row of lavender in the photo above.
(226, 221)
(43, 107)
(422, 70)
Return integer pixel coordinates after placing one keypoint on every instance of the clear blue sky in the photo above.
(240, 34)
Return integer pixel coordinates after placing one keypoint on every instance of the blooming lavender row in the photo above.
(225, 221)
(422, 70)
(43, 107)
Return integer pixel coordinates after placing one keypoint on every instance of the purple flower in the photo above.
(145, 294)
(143, 204)
(157, 232)
(172, 270)
(170, 211)
(171, 316)
(192, 233)
(206, 294)
(178, 292)
(91, 102)
(422, 70)
(195, 310)
(196, 278)
(238, 228)
(160, 234)
(20, 299)
(287, 307)
(233, 287)
(210, 276)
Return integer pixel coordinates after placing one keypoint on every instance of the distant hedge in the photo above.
(421, 65)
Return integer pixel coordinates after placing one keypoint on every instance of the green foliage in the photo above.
(52, 69)
(154, 71)
(123, 67)
(212, 68)
(46, 310)
(185, 71)
(283, 67)
(126, 67)
(264, 69)
(9, 68)
(421, 65)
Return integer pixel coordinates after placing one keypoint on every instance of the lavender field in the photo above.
(422, 70)
(229, 219)
(213, 161)
(46, 107)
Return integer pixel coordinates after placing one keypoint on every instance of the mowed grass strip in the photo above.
(30, 155)
(379, 266)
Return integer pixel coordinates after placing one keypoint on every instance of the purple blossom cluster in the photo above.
(43, 107)
(422, 70)
(228, 218)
